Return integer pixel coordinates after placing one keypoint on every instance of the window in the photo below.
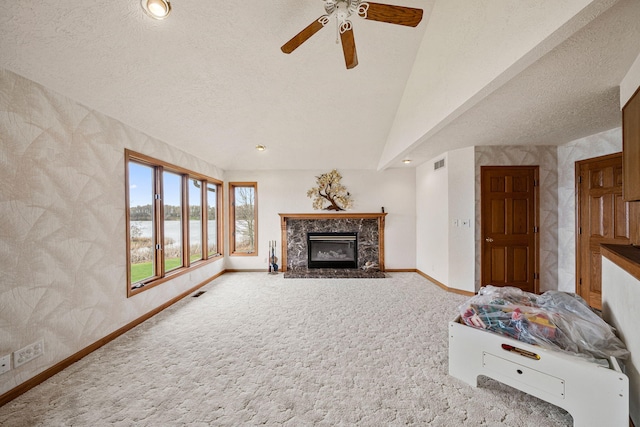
(212, 219)
(172, 221)
(243, 218)
(166, 226)
(195, 219)
(142, 227)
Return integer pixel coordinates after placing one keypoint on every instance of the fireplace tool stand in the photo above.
(273, 259)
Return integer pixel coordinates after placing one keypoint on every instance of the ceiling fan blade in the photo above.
(399, 15)
(349, 49)
(304, 35)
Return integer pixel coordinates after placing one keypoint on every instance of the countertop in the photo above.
(626, 257)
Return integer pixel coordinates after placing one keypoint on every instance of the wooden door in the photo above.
(602, 217)
(631, 147)
(509, 215)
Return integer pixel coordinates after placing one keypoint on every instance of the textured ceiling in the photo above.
(569, 93)
(212, 80)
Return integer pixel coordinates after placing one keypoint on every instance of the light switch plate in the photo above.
(28, 353)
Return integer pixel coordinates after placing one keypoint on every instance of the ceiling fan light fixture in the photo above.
(157, 9)
(342, 11)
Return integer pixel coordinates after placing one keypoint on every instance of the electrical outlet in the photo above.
(28, 353)
(5, 364)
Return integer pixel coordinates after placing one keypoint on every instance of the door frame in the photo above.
(536, 220)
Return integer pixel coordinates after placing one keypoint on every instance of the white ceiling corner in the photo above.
(570, 92)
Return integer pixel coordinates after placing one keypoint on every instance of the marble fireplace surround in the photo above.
(294, 228)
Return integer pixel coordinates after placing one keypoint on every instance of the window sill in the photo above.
(171, 275)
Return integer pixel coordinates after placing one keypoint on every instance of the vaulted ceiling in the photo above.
(211, 79)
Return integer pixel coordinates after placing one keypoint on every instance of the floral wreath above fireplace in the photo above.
(330, 190)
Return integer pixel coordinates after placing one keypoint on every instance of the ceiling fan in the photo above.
(341, 11)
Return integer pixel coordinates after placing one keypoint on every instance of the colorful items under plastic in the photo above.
(554, 320)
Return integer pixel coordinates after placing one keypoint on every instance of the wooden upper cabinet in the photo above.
(631, 148)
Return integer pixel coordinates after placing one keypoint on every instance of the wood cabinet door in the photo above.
(603, 217)
(631, 147)
(509, 212)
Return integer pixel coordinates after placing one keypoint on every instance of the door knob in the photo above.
(489, 239)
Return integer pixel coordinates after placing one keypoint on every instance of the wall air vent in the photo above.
(438, 165)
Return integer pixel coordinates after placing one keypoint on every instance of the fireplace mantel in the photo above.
(284, 217)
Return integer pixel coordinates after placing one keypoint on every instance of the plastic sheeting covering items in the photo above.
(554, 320)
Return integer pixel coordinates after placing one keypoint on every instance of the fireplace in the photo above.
(332, 250)
(369, 228)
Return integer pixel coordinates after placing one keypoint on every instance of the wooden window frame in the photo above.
(161, 276)
(232, 218)
(203, 222)
(219, 219)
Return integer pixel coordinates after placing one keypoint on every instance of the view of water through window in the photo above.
(175, 219)
(172, 230)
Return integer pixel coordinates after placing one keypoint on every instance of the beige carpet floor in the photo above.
(258, 349)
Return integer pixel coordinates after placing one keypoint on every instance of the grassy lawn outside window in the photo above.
(172, 214)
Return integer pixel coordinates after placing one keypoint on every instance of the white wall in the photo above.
(620, 296)
(444, 198)
(461, 207)
(600, 144)
(432, 217)
(286, 192)
(493, 41)
(63, 246)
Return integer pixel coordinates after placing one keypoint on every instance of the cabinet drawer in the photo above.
(508, 372)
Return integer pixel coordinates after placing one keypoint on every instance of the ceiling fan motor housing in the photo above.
(345, 8)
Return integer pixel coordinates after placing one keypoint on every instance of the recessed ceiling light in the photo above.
(406, 161)
(157, 9)
(261, 147)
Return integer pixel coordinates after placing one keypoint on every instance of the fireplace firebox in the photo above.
(332, 250)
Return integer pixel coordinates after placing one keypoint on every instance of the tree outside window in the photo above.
(244, 218)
